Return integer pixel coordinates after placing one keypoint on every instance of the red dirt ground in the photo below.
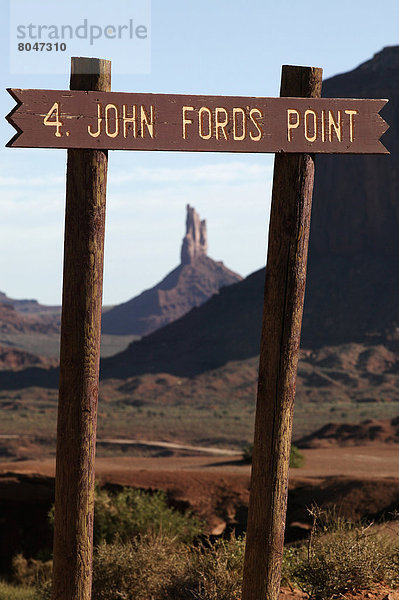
(361, 481)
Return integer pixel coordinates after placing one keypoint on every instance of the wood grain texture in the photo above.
(80, 351)
(280, 339)
(125, 121)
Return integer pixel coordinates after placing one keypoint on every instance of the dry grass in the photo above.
(138, 570)
(9, 591)
(156, 568)
(341, 557)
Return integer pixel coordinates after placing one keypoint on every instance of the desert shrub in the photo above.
(133, 512)
(247, 453)
(297, 459)
(30, 572)
(139, 541)
(141, 569)
(158, 568)
(43, 590)
(220, 570)
(213, 573)
(16, 592)
(341, 557)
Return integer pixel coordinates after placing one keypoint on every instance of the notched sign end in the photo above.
(10, 120)
(383, 127)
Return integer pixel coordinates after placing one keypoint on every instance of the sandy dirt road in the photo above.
(373, 461)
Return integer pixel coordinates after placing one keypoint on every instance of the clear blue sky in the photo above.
(221, 47)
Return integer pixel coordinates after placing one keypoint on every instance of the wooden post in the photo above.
(80, 352)
(280, 338)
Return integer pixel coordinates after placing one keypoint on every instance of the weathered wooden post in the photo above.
(80, 353)
(280, 338)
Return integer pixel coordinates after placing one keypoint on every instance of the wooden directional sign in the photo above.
(124, 121)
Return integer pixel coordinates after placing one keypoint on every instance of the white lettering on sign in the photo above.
(326, 126)
(186, 121)
(108, 109)
(147, 121)
(137, 119)
(54, 112)
(126, 119)
(334, 124)
(351, 114)
(222, 123)
(255, 115)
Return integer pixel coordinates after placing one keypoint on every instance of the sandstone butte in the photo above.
(190, 284)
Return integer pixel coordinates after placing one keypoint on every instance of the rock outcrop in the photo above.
(16, 359)
(194, 281)
(353, 271)
(369, 431)
(12, 321)
(30, 306)
(195, 242)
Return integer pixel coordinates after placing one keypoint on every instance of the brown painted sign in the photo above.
(124, 121)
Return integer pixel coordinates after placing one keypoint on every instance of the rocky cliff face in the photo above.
(353, 271)
(195, 280)
(356, 198)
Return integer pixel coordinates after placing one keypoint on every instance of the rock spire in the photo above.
(195, 242)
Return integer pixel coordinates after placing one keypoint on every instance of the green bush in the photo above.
(341, 557)
(126, 524)
(297, 459)
(133, 512)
